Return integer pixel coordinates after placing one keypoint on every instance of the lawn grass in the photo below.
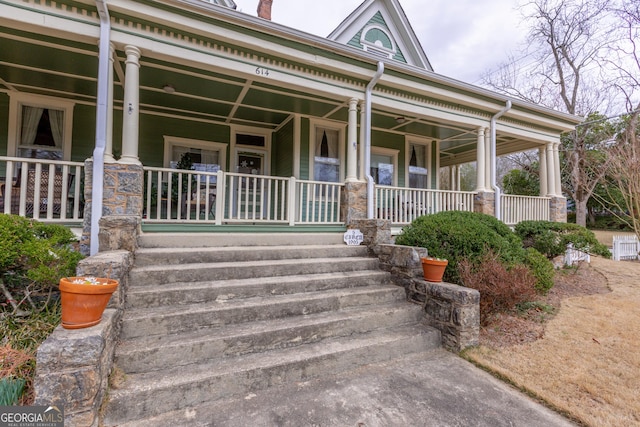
(587, 365)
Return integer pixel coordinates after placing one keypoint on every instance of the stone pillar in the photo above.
(558, 207)
(131, 113)
(108, 150)
(484, 202)
(352, 141)
(376, 233)
(480, 160)
(556, 170)
(542, 155)
(123, 191)
(551, 179)
(487, 164)
(354, 202)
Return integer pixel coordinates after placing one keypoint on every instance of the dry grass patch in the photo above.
(587, 360)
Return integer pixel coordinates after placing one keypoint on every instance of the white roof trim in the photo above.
(398, 24)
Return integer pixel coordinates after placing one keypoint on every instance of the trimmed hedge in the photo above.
(551, 238)
(459, 235)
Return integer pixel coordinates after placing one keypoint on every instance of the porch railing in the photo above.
(175, 195)
(47, 190)
(403, 205)
(514, 209)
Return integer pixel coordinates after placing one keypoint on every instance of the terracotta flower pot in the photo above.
(83, 302)
(433, 269)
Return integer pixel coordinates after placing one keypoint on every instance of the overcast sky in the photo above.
(462, 38)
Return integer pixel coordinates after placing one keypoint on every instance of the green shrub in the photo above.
(34, 255)
(552, 238)
(462, 235)
(541, 268)
(11, 390)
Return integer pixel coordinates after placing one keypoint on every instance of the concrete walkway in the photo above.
(435, 388)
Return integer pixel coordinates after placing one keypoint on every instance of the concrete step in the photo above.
(146, 353)
(207, 240)
(151, 394)
(179, 318)
(226, 290)
(160, 274)
(169, 256)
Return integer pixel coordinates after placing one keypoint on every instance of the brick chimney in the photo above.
(264, 9)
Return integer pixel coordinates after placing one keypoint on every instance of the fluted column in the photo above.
(361, 172)
(556, 172)
(352, 141)
(551, 189)
(131, 113)
(480, 161)
(108, 149)
(487, 163)
(542, 156)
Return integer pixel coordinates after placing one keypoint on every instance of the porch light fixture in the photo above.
(169, 88)
(400, 120)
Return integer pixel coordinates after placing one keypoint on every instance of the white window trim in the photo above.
(368, 46)
(393, 153)
(326, 124)
(427, 143)
(237, 148)
(171, 141)
(18, 99)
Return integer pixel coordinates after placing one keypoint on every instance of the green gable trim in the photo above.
(376, 34)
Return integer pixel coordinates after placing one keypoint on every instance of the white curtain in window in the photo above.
(326, 143)
(56, 118)
(30, 119)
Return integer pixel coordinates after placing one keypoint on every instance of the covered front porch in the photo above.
(192, 113)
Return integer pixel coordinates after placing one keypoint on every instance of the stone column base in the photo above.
(558, 209)
(353, 202)
(485, 202)
(122, 195)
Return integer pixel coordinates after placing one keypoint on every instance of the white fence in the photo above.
(625, 248)
(514, 209)
(175, 195)
(47, 190)
(403, 205)
(572, 255)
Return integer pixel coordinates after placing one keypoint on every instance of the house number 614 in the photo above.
(262, 71)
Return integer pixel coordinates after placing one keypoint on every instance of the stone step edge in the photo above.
(146, 343)
(137, 314)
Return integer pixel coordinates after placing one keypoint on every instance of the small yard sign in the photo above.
(353, 237)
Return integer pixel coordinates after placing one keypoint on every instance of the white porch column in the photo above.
(487, 163)
(556, 172)
(108, 149)
(352, 141)
(458, 177)
(551, 189)
(131, 113)
(361, 172)
(480, 161)
(542, 156)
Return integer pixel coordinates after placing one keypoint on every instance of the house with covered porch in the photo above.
(191, 115)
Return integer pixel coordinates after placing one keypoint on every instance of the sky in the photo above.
(462, 38)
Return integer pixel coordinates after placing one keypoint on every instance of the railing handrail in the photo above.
(41, 161)
(520, 196)
(426, 190)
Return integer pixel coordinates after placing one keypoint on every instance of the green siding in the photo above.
(434, 156)
(304, 148)
(282, 152)
(378, 20)
(4, 123)
(154, 128)
(84, 132)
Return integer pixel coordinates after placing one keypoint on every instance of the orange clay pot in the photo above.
(83, 304)
(433, 269)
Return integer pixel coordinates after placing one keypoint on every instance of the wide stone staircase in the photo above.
(211, 323)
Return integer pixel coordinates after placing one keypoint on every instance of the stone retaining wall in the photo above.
(73, 365)
(452, 309)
